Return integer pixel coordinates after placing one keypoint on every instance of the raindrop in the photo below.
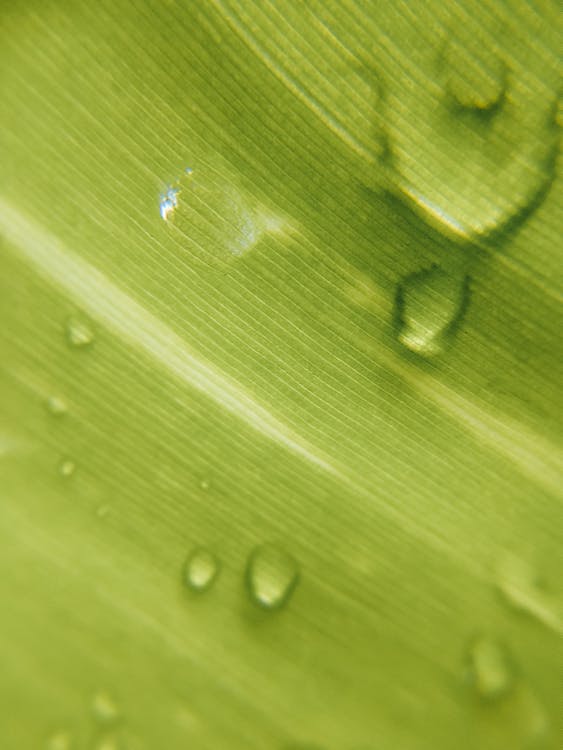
(79, 333)
(104, 708)
(491, 673)
(430, 306)
(271, 575)
(67, 468)
(201, 569)
(56, 406)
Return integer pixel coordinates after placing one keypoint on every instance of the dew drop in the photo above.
(491, 673)
(271, 575)
(430, 306)
(67, 468)
(56, 406)
(79, 333)
(60, 740)
(205, 484)
(201, 570)
(104, 708)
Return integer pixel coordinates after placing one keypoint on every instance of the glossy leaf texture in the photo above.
(280, 360)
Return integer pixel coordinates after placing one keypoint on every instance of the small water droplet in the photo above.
(474, 76)
(272, 575)
(60, 740)
(491, 673)
(104, 708)
(205, 484)
(169, 202)
(67, 468)
(430, 306)
(215, 215)
(518, 584)
(56, 406)
(107, 743)
(201, 569)
(79, 333)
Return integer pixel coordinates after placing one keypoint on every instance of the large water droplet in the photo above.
(201, 570)
(430, 305)
(79, 332)
(67, 468)
(56, 406)
(491, 673)
(272, 575)
(104, 708)
(475, 154)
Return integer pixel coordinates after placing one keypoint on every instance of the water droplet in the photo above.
(56, 406)
(104, 708)
(67, 468)
(60, 740)
(168, 202)
(477, 154)
(107, 743)
(490, 671)
(205, 484)
(216, 216)
(272, 575)
(79, 333)
(474, 76)
(520, 588)
(201, 569)
(430, 306)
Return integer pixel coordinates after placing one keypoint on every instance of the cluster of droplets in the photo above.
(79, 334)
(480, 163)
(271, 574)
(107, 717)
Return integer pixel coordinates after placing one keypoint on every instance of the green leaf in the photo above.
(281, 359)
